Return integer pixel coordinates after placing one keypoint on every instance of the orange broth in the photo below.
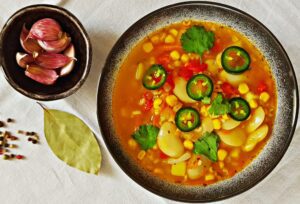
(129, 98)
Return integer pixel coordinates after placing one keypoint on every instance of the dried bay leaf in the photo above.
(72, 141)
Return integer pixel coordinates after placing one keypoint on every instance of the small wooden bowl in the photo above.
(10, 45)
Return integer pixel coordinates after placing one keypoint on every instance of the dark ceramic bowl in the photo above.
(287, 109)
(10, 45)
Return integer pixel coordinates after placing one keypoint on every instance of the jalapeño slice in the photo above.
(187, 119)
(240, 109)
(199, 86)
(154, 77)
(235, 60)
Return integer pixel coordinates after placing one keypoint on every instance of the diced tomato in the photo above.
(163, 155)
(164, 60)
(170, 80)
(196, 66)
(262, 86)
(148, 105)
(185, 73)
(228, 90)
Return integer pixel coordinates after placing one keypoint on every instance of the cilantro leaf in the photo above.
(208, 146)
(206, 100)
(219, 106)
(146, 136)
(197, 40)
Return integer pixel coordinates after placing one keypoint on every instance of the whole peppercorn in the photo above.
(5, 157)
(10, 120)
(2, 124)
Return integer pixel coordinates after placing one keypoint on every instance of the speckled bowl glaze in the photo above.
(287, 108)
(10, 45)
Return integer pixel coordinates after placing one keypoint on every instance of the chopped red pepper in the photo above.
(148, 95)
(170, 81)
(262, 86)
(148, 105)
(228, 89)
(217, 46)
(163, 155)
(185, 73)
(196, 66)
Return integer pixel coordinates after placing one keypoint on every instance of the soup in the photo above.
(194, 103)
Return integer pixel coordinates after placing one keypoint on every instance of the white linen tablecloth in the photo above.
(43, 178)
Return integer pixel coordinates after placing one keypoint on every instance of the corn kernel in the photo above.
(188, 144)
(157, 103)
(148, 47)
(155, 39)
(132, 143)
(217, 124)
(139, 71)
(203, 111)
(169, 39)
(141, 155)
(178, 169)
(264, 97)
(222, 154)
(235, 153)
(249, 96)
(184, 58)
(209, 177)
(173, 32)
(218, 60)
(175, 55)
(221, 164)
(177, 63)
(253, 103)
(171, 100)
(243, 88)
(225, 117)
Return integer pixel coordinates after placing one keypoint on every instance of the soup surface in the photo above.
(194, 102)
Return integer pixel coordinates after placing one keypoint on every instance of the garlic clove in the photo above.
(57, 45)
(70, 52)
(23, 59)
(51, 60)
(41, 75)
(45, 29)
(28, 44)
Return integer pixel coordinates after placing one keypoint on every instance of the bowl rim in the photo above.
(75, 20)
(295, 109)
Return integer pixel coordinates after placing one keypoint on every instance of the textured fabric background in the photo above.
(42, 178)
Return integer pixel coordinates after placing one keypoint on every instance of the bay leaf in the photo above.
(72, 141)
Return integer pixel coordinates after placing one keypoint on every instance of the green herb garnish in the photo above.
(197, 40)
(206, 100)
(208, 146)
(146, 136)
(219, 106)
